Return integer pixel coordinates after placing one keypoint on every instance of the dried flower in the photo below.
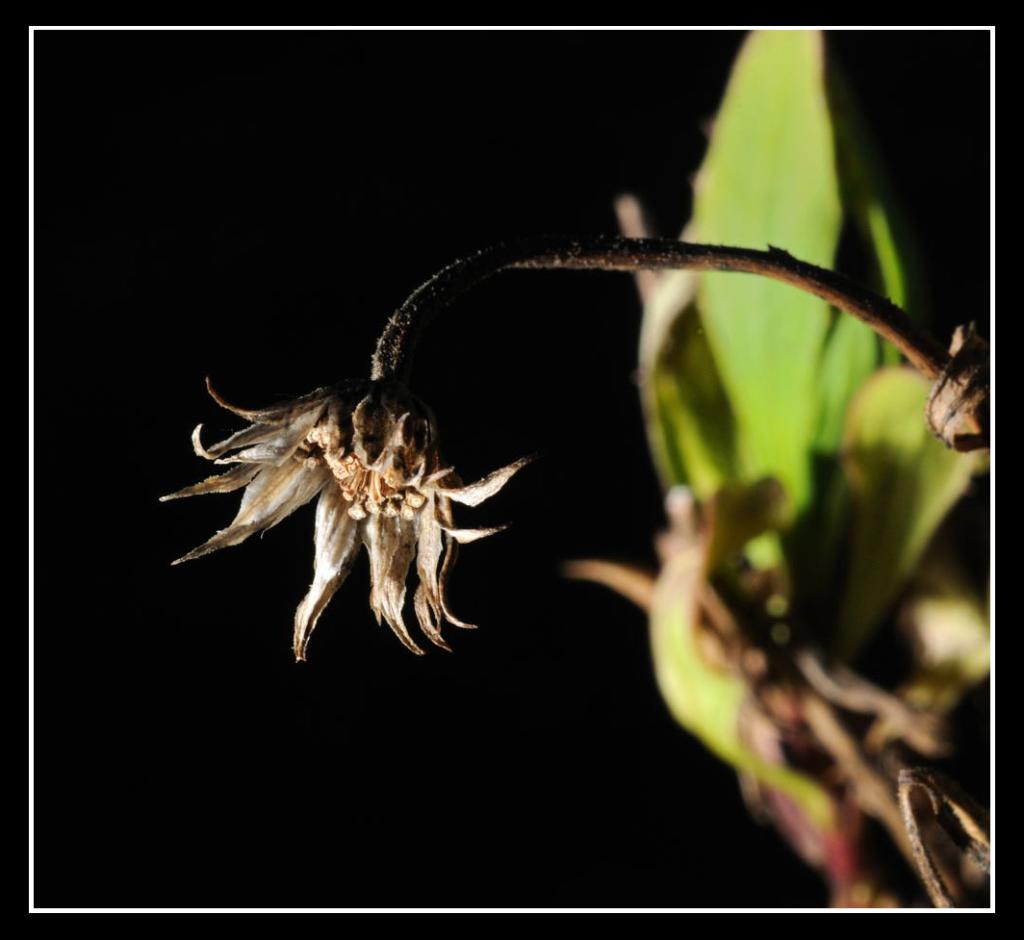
(369, 450)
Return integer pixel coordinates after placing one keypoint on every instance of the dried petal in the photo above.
(273, 447)
(197, 444)
(391, 550)
(451, 554)
(465, 536)
(428, 617)
(403, 552)
(274, 494)
(335, 539)
(443, 514)
(253, 434)
(233, 535)
(428, 554)
(279, 491)
(222, 483)
(280, 413)
(475, 493)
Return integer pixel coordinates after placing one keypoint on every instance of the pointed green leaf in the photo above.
(769, 178)
(852, 350)
(690, 422)
(873, 205)
(904, 481)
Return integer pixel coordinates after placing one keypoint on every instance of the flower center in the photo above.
(371, 492)
(381, 488)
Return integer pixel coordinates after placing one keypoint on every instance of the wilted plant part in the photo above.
(927, 793)
(369, 451)
(921, 729)
(958, 404)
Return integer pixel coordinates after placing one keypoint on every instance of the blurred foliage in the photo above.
(769, 178)
(705, 700)
(745, 379)
(905, 481)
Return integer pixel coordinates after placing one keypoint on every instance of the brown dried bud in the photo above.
(957, 409)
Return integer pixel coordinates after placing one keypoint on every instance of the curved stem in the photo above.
(394, 353)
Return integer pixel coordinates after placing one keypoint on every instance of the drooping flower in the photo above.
(369, 451)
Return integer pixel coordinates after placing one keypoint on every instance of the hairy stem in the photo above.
(394, 353)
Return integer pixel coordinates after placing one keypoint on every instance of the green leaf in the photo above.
(742, 377)
(904, 482)
(852, 350)
(702, 696)
(769, 178)
(787, 142)
(874, 206)
(851, 354)
(690, 422)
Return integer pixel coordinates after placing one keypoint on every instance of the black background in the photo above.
(251, 206)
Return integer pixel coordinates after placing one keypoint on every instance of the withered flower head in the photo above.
(369, 450)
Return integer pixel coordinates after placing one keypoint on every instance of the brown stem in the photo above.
(393, 356)
(872, 791)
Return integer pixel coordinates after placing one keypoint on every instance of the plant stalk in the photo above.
(394, 353)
